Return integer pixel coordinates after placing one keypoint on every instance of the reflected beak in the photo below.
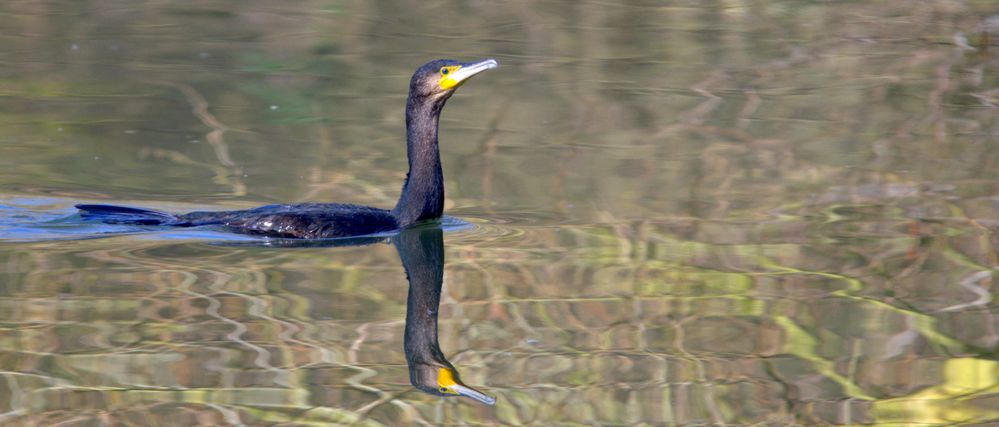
(473, 393)
(466, 71)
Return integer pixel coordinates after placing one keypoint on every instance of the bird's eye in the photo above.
(442, 390)
(444, 71)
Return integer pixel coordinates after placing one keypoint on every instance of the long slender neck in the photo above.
(423, 193)
(422, 254)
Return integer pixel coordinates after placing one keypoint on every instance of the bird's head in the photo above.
(441, 379)
(439, 78)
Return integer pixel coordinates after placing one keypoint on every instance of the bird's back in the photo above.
(305, 221)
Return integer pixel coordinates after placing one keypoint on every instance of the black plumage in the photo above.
(422, 197)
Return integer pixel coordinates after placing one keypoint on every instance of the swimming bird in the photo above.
(422, 197)
(422, 252)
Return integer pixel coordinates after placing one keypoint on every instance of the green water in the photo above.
(682, 213)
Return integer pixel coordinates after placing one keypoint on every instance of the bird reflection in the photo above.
(422, 254)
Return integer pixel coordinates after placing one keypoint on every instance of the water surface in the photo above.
(761, 213)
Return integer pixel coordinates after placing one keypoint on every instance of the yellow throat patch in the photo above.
(448, 82)
(445, 379)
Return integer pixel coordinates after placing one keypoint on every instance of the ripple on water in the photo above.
(503, 226)
(40, 219)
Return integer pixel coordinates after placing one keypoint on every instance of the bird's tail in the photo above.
(112, 214)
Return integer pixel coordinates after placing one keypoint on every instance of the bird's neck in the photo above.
(423, 193)
(422, 254)
(420, 342)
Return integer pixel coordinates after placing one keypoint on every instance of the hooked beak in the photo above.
(466, 71)
(473, 393)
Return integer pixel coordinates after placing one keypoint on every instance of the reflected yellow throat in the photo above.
(445, 379)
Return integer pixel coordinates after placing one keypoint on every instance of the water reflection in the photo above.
(421, 250)
(422, 254)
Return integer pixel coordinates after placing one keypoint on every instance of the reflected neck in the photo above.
(422, 195)
(422, 254)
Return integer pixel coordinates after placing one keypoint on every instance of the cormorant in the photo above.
(422, 252)
(422, 197)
